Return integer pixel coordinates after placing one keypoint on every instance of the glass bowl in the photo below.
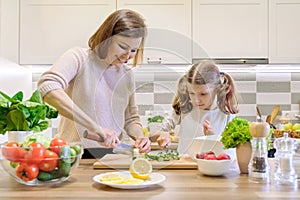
(37, 165)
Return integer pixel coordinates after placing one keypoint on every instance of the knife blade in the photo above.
(122, 148)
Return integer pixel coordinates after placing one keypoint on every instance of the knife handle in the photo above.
(93, 136)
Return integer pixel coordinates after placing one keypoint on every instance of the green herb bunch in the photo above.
(236, 132)
(19, 115)
(157, 118)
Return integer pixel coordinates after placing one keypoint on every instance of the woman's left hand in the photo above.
(143, 144)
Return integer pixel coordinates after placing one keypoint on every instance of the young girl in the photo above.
(205, 102)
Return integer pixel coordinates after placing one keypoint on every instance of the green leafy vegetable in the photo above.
(19, 115)
(236, 132)
(157, 118)
(163, 156)
(36, 137)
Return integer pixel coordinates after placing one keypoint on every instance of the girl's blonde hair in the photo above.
(206, 72)
(125, 23)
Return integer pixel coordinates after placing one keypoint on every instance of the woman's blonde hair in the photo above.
(125, 23)
(206, 72)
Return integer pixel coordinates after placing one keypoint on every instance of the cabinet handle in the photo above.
(158, 61)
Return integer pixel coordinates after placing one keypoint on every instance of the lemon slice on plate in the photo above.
(111, 177)
(133, 181)
(140, 168)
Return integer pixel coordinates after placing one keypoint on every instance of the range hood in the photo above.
(235, 60)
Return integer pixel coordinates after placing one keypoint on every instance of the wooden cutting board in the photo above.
(119, 161)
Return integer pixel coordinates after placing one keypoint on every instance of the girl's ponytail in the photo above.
(227, 95)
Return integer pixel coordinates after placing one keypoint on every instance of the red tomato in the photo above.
(223, 156)
(27, 171)
(49, 162)
(56, 144)
(210, 157)
(12, 152)
(35, 153)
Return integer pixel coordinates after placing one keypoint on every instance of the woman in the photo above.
(93, 88)
(205, 102)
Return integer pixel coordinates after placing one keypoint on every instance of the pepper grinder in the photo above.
(259, 168)
(285, 173)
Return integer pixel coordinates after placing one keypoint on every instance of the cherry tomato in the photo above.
(27, 171)
(12, 152)
(49, 162)
(56, 144)
(35, 153)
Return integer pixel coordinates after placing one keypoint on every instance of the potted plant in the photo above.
(27, 116)
(237, 135)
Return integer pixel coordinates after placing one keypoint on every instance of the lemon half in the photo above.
(140, 168)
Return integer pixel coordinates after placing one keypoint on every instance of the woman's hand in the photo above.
(143, 144)
(206, 128)
(163, 139)
(110, 137)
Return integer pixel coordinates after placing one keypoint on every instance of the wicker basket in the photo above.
(292, 134)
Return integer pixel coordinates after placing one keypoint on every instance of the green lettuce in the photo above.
(18, 115)
(236, 132)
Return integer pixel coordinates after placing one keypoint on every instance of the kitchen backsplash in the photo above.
(262, 86)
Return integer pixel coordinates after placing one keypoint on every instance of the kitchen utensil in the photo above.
(122, 148)
(121, 161)
(259, 114)
(91, 136)
(274, 113)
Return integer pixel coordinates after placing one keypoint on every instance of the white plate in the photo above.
(155, 178)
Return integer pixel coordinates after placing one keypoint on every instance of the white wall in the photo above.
(9, 30)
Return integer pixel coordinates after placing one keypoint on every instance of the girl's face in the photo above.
(202, 96)
(122, 49)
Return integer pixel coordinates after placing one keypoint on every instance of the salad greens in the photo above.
(36, 137)
(236, 132)
(19, 115)
(157, 118)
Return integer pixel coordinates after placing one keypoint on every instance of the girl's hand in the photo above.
(143, 144)
(163, 139)
(206, 128)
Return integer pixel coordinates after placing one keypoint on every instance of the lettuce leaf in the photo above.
(236, 132)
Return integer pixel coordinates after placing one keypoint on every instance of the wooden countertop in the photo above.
(180, 184)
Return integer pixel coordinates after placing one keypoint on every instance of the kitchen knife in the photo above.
(122, 148)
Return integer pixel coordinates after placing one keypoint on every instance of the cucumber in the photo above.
(47, 176)
(65, 161)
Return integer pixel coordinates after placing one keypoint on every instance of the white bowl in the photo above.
(213, 167)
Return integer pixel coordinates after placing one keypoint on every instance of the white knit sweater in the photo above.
(104, 93)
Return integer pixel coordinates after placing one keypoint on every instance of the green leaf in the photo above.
(36, 97)
(236, 132)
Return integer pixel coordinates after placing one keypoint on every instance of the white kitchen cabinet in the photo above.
(230, 28)
(169, 26)
(49, 27)
(284, 31)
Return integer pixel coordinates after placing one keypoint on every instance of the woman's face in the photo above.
(122, 49)
(202, 96)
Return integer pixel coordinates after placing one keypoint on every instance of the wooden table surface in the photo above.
(180, 184)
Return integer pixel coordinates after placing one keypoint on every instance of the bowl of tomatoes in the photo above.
(212, 164)
(37, 161)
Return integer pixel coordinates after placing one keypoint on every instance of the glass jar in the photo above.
(285, 173)
(258, 168)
